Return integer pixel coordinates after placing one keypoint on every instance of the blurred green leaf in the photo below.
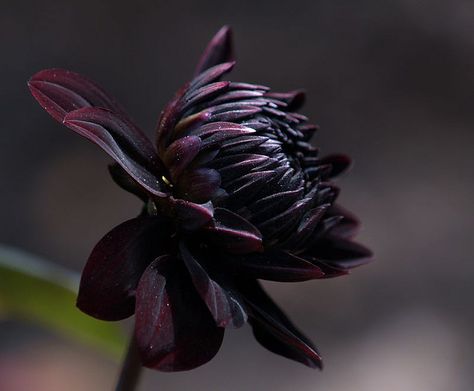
(36, 290)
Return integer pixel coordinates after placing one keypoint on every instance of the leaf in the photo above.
(39, 291)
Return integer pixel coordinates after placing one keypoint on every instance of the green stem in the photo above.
(131, 368)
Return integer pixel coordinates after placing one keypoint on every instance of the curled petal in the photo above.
(116, 136)
(233, 233)
(59, 92)
(274, 330)
(293, 99)
(212, 74)
(174, 330)
(191, 216)
(110, 277)
(348, 226)
(220, 49)
(339, 164)
(223, 304)
(126, 182)
(275, 265)
(180, 153)
(341, 253)
(199, 185)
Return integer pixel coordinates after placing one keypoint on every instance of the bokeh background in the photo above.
(390, 82)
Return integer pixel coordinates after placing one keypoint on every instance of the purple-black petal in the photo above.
(122, 141)
(233, 233)
(60, 91)
(340, 253)
(174, 330)
(274, 265)
(274, 330)
(110, 277)
(223, 304)
(220, 49)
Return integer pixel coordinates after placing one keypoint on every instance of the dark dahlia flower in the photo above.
(233, 192)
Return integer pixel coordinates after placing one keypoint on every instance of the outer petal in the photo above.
(234, 233)
(274, 330)
(340, 253)
(220, 49)
(110, 277)
(59, 92)
(174, 329)
(116, 136)
(275, 265)
(223, 304)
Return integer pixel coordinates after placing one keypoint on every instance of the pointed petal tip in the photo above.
(219, 50)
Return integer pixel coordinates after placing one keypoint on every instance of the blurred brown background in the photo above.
(390, 82)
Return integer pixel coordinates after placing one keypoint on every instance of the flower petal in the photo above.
(180, 153)
(340, 253)
(174, 330)
(126, 182)
(59, 92)
(222, 303)
(339, 164)
(274, 330)
(191, 216)
(118, 137)
(116, 264)
(199, 185)
(220, 49)
(274, 265)
(233, 233)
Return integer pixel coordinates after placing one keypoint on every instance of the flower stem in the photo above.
(131, 368)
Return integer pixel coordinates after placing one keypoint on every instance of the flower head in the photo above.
(233, 193)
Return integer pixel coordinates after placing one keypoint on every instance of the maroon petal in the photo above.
(199, 185)
(275, 265)
(126, 182)
(339, 164)
(223, 304)
(340, 252)
(191, 216)
(219, 50)
(174, 330)
(180, 153)
(59, 92)
(212, 74)
(121, 140)
(110, 277)
(233, 233)
(294, 99)
(348, 226)
(274, 330)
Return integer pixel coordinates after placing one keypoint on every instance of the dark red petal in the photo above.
(126, 182)
(174, 330)
(340, 252)
(293, 99)
(223, 304)
(180, 153)
(348, 226)
(59, 92)
(212, 74)
(219, 50)
(233, 233)
(110, 277)
(339, 164)
(199, 185)
(121, 140)
(274, 330)
(274, 265)
(191, 216)
(204, 93)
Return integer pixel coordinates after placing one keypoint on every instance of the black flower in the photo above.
(233, 192)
